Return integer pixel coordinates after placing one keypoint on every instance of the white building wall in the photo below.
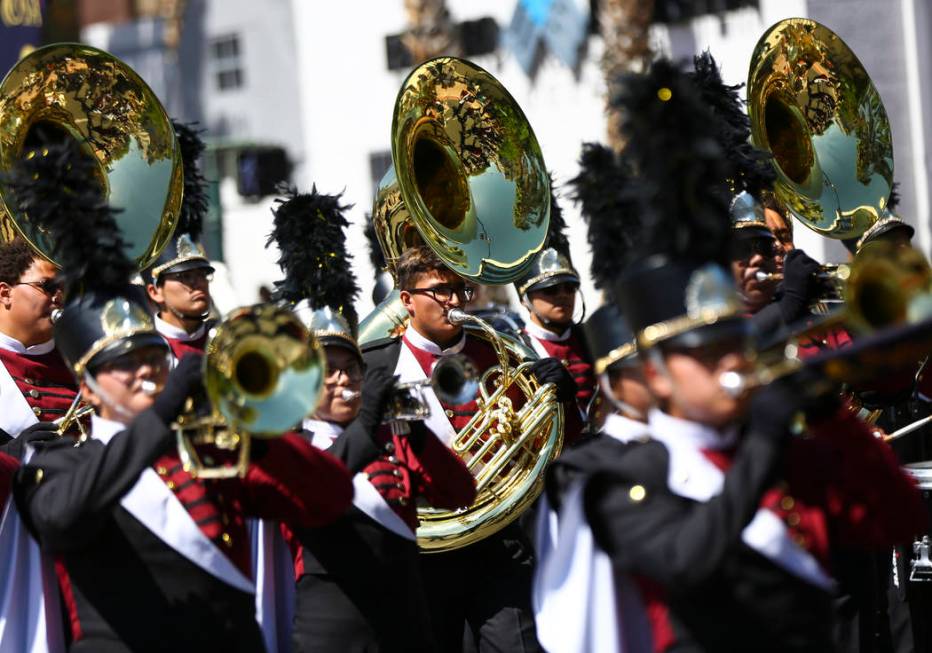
(348, 94)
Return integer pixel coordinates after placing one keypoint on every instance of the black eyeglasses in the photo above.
(745, 248)
(190, 277)
(47, 286)
(444, 292)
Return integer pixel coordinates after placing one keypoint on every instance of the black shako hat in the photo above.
(676, 288)
(184, 251)
(104, 315)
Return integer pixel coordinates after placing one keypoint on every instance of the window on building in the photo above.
(226, 62)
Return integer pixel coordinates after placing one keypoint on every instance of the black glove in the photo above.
(183, 381)
(551, 370)
(376, 393)
(799, 284)
(39, 432)
(777, 408)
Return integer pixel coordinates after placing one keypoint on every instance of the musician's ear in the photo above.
(6, 294)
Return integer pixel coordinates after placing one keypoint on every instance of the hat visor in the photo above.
(555, 280)
(736, 328)
(746, 233)
(190, 264)
(124, 346)
(337, 341)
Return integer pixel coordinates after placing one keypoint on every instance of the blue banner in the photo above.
(20, 30)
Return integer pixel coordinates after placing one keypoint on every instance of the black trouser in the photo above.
(485, 588)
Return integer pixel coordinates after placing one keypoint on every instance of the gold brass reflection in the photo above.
(813, 106)
(102, 103)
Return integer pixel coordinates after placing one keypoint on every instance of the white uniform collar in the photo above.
(625, 429)
(420, 342)
(323, 433)
(541, 333)
(177, 333)
(696, 436)
(14, 345)
(104, 429)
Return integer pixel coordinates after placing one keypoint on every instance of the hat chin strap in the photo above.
(181, 316)
(116, 407)
(622, 406)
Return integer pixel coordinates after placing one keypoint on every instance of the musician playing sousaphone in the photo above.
(120, 511)
(343, 569)
(178, 283)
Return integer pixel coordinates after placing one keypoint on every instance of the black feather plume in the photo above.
(894, 200)
(684, 172)
(194, 203)
(309, 231)
(754, 168)
(376, 257)
(56, 187)
(604, 190)
(556, 230)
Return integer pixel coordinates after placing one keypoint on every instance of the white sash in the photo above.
(30, 619)
(273, 569)
(693, 476)
(158, 509)
(365, 496)
(538, 346)
(15, 412)
(580, 604)
(409, 370)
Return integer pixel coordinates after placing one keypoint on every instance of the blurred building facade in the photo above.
(316, 81)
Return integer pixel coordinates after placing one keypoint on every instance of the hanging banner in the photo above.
(20, 30)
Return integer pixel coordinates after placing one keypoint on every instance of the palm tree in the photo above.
(431, 32)
(624, 25)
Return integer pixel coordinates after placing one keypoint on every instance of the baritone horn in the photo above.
(263, 374)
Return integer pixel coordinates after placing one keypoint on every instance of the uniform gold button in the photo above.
(29, 381)
(34, 394)
(39, 475)
(787, 503)
(161, 471)
(36, 410)
(637, 493)
(448, 412)
(793, 519)
(171, 485)
(227, 539)
(565, 362)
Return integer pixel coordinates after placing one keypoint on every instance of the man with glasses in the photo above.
(35, 384)
(484, 587)
(548, 292)
(179, 284)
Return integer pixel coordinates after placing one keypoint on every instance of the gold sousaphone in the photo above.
(470, 182)
(813, 106)
(68, 90)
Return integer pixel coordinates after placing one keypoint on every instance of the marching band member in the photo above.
(178, 283)
(548, 291)
(147, 554)
(35, 383)
(374, 544)
(485, 585)
(723, 559)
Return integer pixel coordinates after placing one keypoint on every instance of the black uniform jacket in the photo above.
(127, 589)
(706, 589)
